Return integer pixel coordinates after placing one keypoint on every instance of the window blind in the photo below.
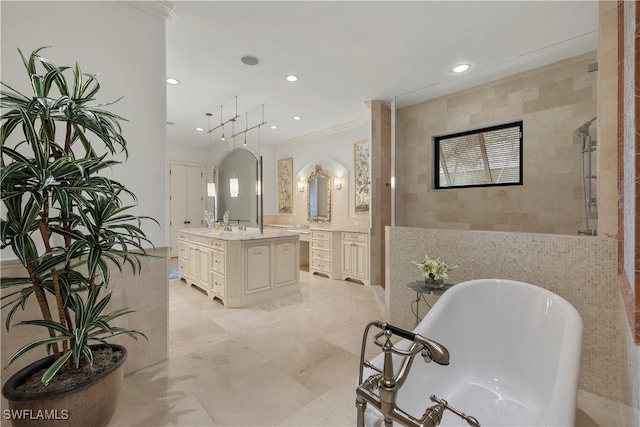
(490, 156)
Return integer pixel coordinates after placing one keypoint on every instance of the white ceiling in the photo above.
(347, 53)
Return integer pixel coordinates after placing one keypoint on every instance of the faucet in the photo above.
(225, 220)
(386, 383)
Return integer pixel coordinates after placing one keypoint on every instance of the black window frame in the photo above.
(436, 156)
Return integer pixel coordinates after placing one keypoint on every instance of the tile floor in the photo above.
(291, 362)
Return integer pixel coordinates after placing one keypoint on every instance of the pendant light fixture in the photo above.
(233, 182)
(211, 186)
(221, 124)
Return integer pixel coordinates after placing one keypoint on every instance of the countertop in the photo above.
(305, 229)
(250, 234)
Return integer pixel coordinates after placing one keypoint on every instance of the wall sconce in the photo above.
(211, 189)
(301, 186)
(233, 187)
(337, 182)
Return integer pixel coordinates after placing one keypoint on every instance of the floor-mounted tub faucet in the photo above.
(380, 389)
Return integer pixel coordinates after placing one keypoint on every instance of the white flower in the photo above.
(434, 268)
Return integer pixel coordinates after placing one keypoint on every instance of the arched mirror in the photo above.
(244, 204)
(319, 195)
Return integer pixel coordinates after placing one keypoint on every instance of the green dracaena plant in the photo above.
(66, 224)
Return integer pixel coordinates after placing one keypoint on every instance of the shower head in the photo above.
(584, 129)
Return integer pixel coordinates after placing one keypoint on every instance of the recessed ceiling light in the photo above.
(250, 60)
(200, 129)
(273, 127)
(292, 78)
(296, 117)
(172, 81)
(460, 68)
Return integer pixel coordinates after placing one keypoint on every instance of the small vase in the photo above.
(433, 283)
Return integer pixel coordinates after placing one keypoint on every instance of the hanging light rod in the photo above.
(253, 127)
(232, 119)
(247, 130)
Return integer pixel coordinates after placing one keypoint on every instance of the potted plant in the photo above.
(434, 271)
(68, 225)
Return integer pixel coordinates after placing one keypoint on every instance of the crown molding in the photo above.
(159, 9)
(325, 132)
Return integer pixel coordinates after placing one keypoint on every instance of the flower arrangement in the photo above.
(434, 268)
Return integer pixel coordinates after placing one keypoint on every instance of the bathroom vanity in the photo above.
(240, 268)
(339, 254)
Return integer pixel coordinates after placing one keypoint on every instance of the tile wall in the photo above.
(552, 101)
(580, 269)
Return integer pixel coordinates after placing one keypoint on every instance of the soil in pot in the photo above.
(103, 359)
(90, 402)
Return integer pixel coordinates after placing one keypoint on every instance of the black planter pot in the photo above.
(89, 404)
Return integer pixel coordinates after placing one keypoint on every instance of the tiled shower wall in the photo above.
(580, 269)
(552, 101)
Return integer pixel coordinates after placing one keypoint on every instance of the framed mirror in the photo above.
(319, 195)
(244, 204)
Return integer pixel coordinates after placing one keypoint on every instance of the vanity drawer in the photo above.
(321, 235)
(218, 283)
(183, 267)
(321, 255)
(321, 245)
(218, 245)
(183, 236)
(182, 250)
(199, 239)
(355, 237)
(320, 265)
(218, 262)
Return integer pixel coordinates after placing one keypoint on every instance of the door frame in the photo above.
(169, 163)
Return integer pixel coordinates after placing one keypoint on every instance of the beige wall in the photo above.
(380, 188)
(339, 199)
(552, 101)
(147, 294)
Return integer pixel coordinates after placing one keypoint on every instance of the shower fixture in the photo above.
(584, 129)
(587, 147)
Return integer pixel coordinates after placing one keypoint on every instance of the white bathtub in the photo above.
(514, 357)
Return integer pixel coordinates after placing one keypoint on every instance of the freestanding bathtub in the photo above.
(514, 357)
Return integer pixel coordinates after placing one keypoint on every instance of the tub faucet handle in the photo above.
(433, 415)
(432, 350)
(445, 405)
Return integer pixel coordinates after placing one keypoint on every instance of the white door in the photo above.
(186, 199)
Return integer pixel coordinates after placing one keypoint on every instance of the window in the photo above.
(478, 158)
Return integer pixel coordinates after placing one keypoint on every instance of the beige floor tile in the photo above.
(318, 413)
(184, 412)
(264, 396)
(318, 365)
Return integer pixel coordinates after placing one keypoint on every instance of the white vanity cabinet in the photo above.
(194, 260)
(324, 253)
(355, 256)
(218, 270)
(240, 269)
